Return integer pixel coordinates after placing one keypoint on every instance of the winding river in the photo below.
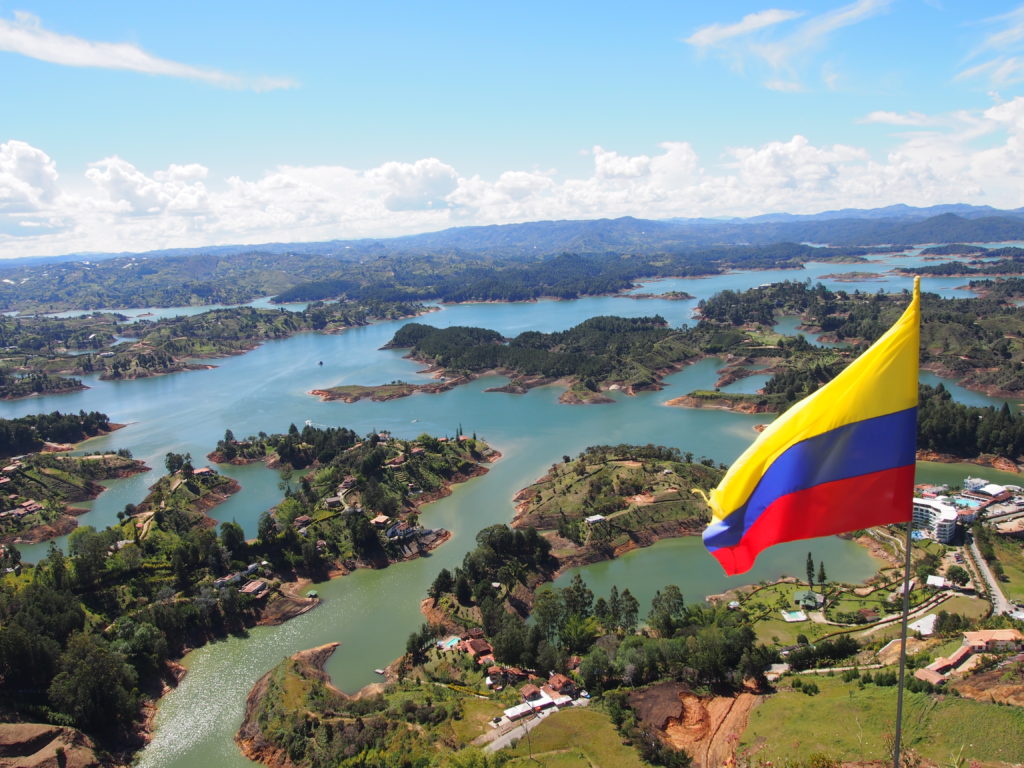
(372, 612)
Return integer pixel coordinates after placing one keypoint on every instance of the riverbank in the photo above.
(47, 393)
(64, 486)
(736, 403)
(1001, 463)
(285, 690)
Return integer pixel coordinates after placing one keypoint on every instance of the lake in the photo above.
(371, 613)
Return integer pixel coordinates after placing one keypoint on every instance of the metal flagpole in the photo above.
(903, 650)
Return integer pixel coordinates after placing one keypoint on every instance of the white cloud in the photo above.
(415, 186)
(28, 178)
(785, 86)
(130, 191)
(26, 35)
(713, 34)
(965, 156)
(1002, 52)
(784, 54)
(897, 118)
(813, 33)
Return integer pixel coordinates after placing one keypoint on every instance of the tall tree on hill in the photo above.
(630, 611)
(810, 571)
(614, 608)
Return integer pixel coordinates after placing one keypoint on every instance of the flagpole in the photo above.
(903, 649)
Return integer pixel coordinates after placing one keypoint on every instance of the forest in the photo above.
(975, 341)
(602, 350)
(28, 433)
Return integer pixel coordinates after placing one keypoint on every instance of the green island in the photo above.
(986, 261)
(88, 639)
(40, 353)
(611, 499)
(972, 341)
(39, 488)
(601, 353)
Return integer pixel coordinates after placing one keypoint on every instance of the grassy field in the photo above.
(972, 607)
(475, 715)
(575, 738)
(1011, 556)
(851, 723)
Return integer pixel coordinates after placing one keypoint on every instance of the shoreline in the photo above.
(67, 520)
(291, 590)
(311, 664)
(724, 403)
(518, 384)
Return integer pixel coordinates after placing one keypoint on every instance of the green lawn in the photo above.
(776, 631)
(475, 715)
(972, 607)
(850, 723)
(1011, 556)
(576, 737)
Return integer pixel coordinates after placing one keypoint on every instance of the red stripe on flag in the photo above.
(858, 502)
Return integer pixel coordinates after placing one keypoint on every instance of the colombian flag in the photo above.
(838, 460)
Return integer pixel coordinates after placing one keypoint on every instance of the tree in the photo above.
(463, 591)
(810, 571)
(266, 529)
(442, 584)
(95, 685)
(667, 609)
(594, 669)
(578, 633)
(232, 537)
(629, 611)
(578, 598)
(958, 575)
(614, 608)
(548, 612)
(173, 462)
(821, 575)
(89, 550)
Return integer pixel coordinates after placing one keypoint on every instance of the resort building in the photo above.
(995, 640)
(936, 518)
(986, 641)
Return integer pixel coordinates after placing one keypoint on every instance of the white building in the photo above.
(935, 517)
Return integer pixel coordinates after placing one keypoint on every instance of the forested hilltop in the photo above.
(86, 635)
(383, 274)
(973, 341)
(598, 354)
(40, 353)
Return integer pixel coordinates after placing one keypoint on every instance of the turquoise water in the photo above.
(372, 612)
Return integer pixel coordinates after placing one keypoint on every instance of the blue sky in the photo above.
(128, 126)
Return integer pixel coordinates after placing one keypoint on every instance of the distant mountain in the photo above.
(900, 225)
(899, 211)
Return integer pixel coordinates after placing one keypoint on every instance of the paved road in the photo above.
(518, 732)
(999, 602)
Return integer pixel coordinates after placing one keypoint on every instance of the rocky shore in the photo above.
(723, 403)
(307, 666)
